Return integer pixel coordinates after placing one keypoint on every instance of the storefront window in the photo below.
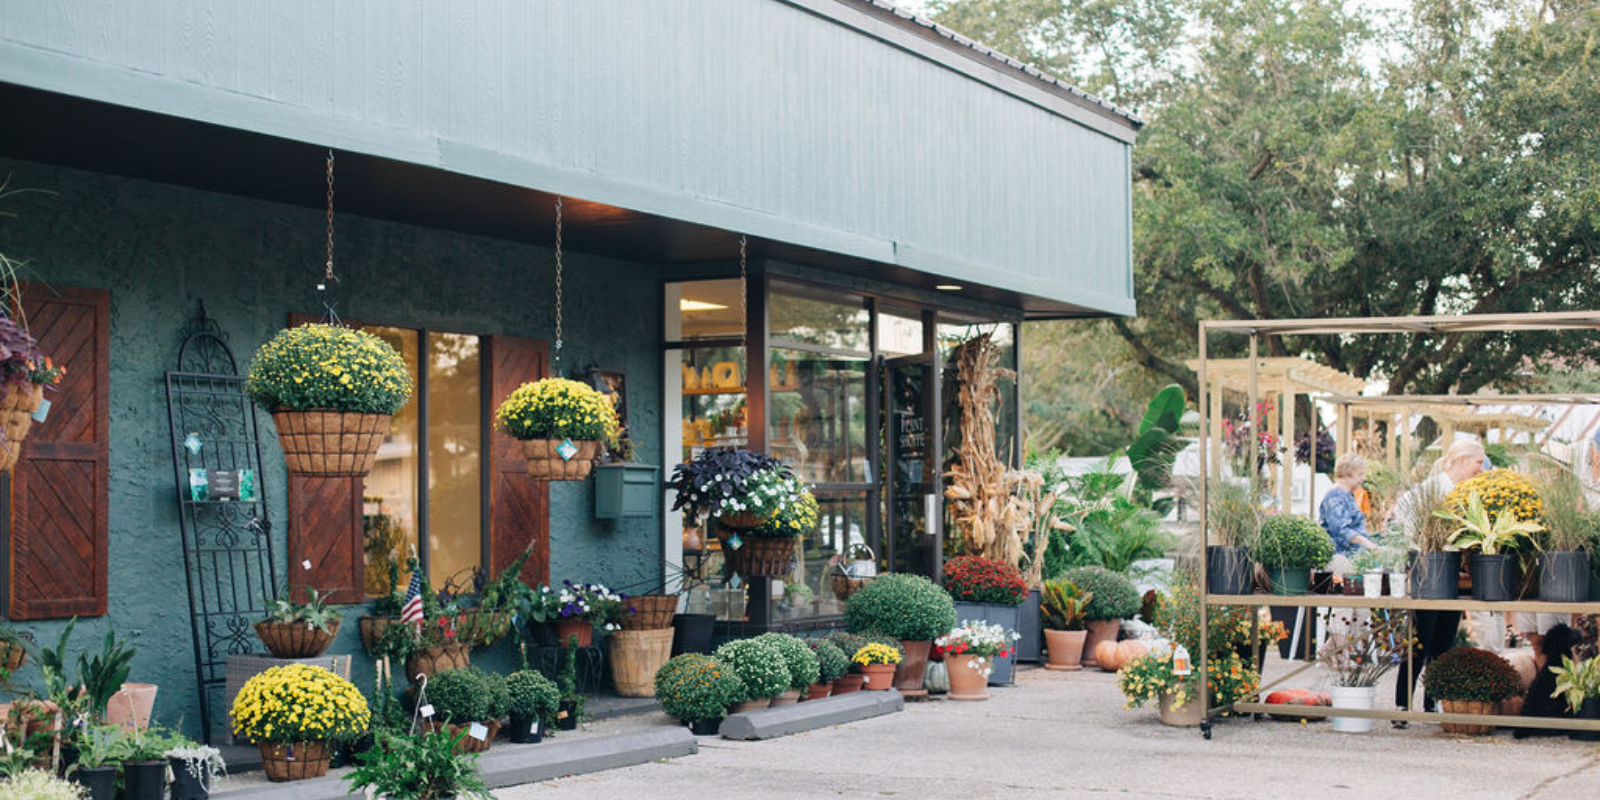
(803, 316)
(807, 591)
(819, 416)
(713, 404)
(899, 332)
(390, 490)
(704, 310)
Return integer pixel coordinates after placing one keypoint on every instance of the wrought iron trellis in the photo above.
(227, 544)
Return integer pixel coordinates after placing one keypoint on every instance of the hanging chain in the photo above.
(744, 281)
(558, 284)
(331, 317)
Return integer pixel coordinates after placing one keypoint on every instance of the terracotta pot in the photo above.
(635, 657)
(130, 707)
(651, 612)
(908, 674)
(817, 691)
(752, 705)
(467, 744)
(18, 401)
(788, 698)
(546, 464)
(372, 629)
(1064, 648)
(1468, 707)
(12, 654)
(879, 677)
(967, 682)
(294, 762)
(567, 628)
(330, 444)
(758, 556)
(295, 639)
(848, 682)
(1188, 716)
(429, 660)
(1099, 630)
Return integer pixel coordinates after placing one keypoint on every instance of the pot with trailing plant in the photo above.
(1570, 530)
(1469, 680)
(697, 689)
(332, 391)
(832, 664)
(1113, 599)
(1492, 532)
(992, 591)
(713, 484)
(1063, 605)
(578, 609)
(799, 661)
(1578, 683)
(195, 768)
(970, 651)
(292, 630)
(909, 608)
(425, 766)
(467, 701)
(1234, 521)
(1358, 657)
(561, 424)
(534, 702)
(1289, 547)
(293, 712)
(760, 668)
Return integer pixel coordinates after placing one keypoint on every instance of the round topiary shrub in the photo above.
(1291, 541)
(1469, 673)
(972, 579)
(832, 663)
(467, 695)
(799, 659)
(910, 608)
(1114, 595)
(695, 686)
(759, 666)
(532, 696)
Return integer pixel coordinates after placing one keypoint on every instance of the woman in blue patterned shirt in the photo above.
(1341, 515)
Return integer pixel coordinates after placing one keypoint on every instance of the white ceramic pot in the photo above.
(1360, 697)
(1397, 584)
(1372, 583)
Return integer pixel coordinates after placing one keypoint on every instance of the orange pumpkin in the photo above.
(1112, 656)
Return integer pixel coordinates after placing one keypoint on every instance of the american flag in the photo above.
(412, 610)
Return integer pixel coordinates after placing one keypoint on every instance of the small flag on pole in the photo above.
(412, 610)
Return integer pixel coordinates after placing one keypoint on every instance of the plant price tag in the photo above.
(1180, 661)
(478, 731)
(41, 412)
(426, 711)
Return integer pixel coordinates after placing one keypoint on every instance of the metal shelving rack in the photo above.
(1473, 323)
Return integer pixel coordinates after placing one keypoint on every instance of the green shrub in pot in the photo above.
(1292, 541)
(759, 666)
(800, 661)
(832, 663)
(467, 695)
(1114, 596)
(910, 608)
(695, 687)
(532, 696)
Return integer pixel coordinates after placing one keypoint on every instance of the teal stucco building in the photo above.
(892, 188)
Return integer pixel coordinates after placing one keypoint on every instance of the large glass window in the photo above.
(819, 416)
(805, 316)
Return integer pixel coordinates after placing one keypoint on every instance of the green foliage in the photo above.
(1158, 444)
(421, 767)
(557, 408)
(832, 663)
(797, 658)
(759, 665)
(1232, 514)
(1112, 531)
(102, 676)
(1577, 681)
(467, 695)
(567, 681)
(1468, 673)
(849, 643)
(37, 784)
(328, 367)
(532, 695)
(1063, 605)
(99, 745)
(1114, 595)
(904, 606)
(694, 687)
(1291, 541)
(314, 613)
(1479, 532)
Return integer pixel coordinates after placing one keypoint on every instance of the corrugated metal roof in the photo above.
(961, 44)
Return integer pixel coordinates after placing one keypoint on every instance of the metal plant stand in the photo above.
(227, 544)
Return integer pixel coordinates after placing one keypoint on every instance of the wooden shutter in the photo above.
(519, 506)
(326, 530)
(60, 528)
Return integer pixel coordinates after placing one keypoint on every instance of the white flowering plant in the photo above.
(985, 640)
(714, 483)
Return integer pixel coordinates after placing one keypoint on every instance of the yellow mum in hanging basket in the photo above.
(1500, 490)
(299, 703)
(557, 408)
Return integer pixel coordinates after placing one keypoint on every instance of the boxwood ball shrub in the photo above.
(759, 666)
(973, 579)
(695, 686)
(467, 695)
(910, 608)
(331, 368)
(532, 696)
(1469, 673)
(832, 663)
(1291, 541)
(1114, 595)
(801, 662)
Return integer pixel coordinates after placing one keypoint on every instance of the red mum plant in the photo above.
(973, 579)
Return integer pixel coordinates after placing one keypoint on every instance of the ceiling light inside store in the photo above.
(699, 305)
(948, 287)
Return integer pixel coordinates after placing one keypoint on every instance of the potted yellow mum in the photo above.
(292, 712)
(561, 424)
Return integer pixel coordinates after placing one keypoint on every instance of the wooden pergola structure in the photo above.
(1452, 413)
(1280, 380)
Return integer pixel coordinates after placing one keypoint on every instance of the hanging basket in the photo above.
(546, 464)
(18, 401)
(651, 612)
(296, 639)
(330, 444)
(758, 556)
(429, 660)
(294, 762)
(743, 520)
(372, 630)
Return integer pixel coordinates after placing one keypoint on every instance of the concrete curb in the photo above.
(770, 723)
(509, 765)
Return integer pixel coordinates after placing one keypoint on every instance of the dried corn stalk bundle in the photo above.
(1029, 519)
(978, 492)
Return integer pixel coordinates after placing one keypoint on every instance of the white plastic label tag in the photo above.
(478, 731)
(426, 711)
(1180, 661)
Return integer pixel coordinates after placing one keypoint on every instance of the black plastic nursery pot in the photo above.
(567, 715)
(705, 727)
(525, 730)
(691, 633)
(100, 781)
(144, 780)
(1590, 710)
(1564, 576)
(1494, 578)
(1228, 570)
(1434, 575)
(188, 785)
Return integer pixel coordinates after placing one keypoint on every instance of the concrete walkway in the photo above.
(1067, 735)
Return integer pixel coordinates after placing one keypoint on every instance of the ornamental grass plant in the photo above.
(1569, 524)
(759, 666)
(907, 607)
(1232, 515)
(557, 408)
(974, 579)
(695, 686)
(1471, 674)
(299, 703)
(1292, 541)
(1114, 596)
(319, 367)
(797, 658)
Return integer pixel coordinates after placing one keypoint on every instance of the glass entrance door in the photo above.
(913, 510)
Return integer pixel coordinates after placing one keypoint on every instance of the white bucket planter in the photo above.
(1358, 697)
(1372, 584)
(1397, 584)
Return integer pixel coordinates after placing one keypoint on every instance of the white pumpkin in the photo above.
(937, 678)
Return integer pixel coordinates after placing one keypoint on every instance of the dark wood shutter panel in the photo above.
(60, 526)
(326, 530)
(519, 506)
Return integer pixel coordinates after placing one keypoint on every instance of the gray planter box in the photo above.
(1030, 624)
(626, 491)
(1007, 617)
